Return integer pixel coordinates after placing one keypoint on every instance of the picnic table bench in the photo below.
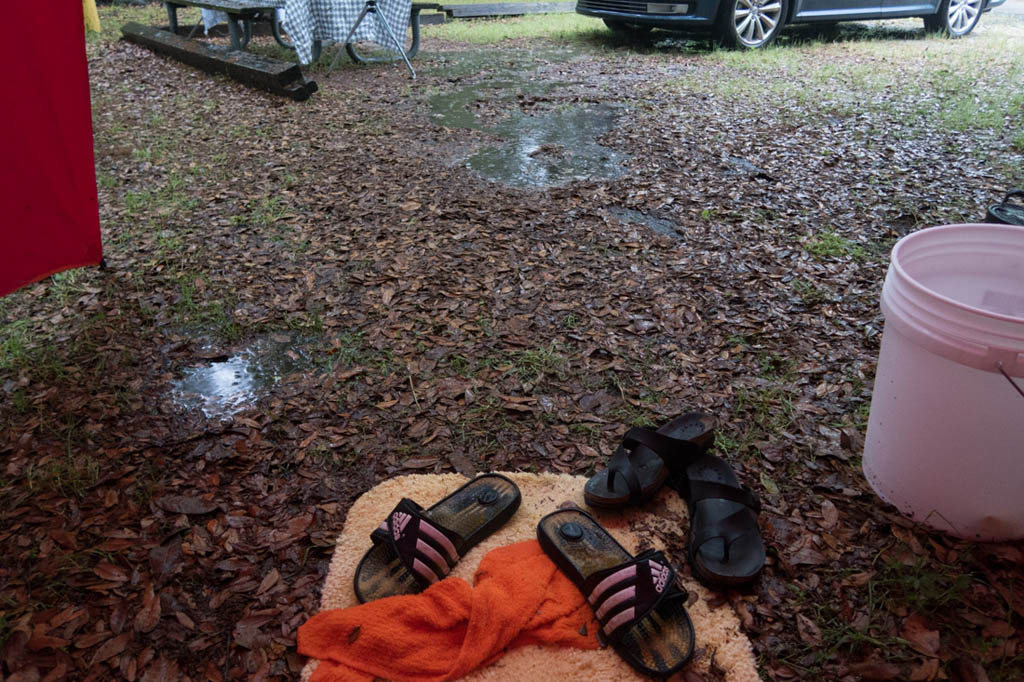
(241, 14)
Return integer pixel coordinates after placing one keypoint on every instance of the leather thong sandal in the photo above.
(416, 547)
(642, 464)
(641, 610)
(724, 542)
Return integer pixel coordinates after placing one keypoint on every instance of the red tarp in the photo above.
(47, 178)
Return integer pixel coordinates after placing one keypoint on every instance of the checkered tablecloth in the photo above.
(309, 20)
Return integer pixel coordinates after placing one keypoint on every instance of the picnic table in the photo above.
(310, 23)
(241, 15)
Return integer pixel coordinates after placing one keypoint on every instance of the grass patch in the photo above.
(828, 244)
(195, 307)
(112, 17)
(921, 585)
(809, 292)
(950, 85)
(67, 475)
(536, 363)
(761, 412)
(265, 211)
(16, 341)
(349, 349)
(634, 416)
(135, 203)
(490, 31)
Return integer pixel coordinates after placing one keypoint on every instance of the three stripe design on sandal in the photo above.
(428, 547)
(614, 599)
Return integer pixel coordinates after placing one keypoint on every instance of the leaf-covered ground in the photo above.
(444, 322)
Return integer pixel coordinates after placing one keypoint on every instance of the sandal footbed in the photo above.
(651, 469)
(381, 573)
(746, 552)
(658, 644)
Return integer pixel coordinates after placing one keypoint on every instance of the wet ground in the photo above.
(544, 143)
(475, 297)
(223, 385)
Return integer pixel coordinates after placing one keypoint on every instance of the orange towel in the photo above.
(519, 597)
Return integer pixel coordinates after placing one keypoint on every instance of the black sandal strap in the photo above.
(677, 453)
(665, 446)
(730, 529)
(427, 549)
(624, 594)
(620, 465)
(709, 490)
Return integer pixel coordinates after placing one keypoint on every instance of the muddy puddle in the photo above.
(224, 385)
(547, 140)
(630, 216)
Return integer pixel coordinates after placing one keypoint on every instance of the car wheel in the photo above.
(625, 28)
(751, 24)
(955, 18)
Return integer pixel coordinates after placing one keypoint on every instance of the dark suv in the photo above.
(755, 23)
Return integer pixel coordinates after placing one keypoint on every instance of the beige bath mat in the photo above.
(717, 629)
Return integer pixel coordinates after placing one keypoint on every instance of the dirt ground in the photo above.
(304, 299)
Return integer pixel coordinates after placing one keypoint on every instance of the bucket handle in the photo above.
(1012, 193)
(1008, 377)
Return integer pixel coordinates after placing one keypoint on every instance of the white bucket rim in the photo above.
(911, 281)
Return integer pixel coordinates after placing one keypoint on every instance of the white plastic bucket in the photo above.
(945, 440)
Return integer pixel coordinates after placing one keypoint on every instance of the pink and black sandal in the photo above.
(416, 547)
(641, 610)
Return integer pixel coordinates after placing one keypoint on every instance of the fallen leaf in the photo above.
(877, 671)
(110, 572)
(111, 648)
(149, 615)
(92, 639)
(184, 504)
(162, 670)
(830, 515)
(809, 631)
(268, 581)
(921, 638)
(963, 670)
(419, 462)
(30, 674)
(927, 670)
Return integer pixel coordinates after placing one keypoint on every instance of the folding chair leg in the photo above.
(371, 8)
(399, 46)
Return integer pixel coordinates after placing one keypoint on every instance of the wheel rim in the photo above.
(756, 20)
(963, 14)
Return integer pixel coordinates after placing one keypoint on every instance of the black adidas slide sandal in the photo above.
(416, 547)
(641, 610)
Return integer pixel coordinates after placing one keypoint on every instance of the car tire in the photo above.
(955, 18)
(627, 29)
(751, 24)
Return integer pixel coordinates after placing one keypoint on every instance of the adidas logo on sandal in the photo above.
(659, 574)
(399, 523)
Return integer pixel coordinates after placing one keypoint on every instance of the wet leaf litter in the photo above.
(419, 314)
